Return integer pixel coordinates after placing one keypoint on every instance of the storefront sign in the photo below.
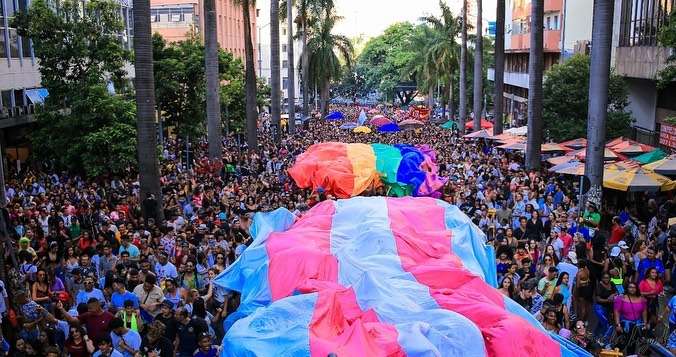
(668, 135)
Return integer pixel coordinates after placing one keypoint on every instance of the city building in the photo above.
(19, 71)
(563, 36)
(176, 20)
(264, 54)
(638, 57)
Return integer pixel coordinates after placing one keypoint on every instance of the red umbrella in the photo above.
(485, 124)
(380, 121)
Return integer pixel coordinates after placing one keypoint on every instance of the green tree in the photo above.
(566, 101)
(667, 38)
(96, 131)
(325, 49)
(180, 83)
(387, 56)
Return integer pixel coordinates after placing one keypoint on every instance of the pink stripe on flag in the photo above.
(301, 259)
(302, 253)
(339, 325)
(424, 247)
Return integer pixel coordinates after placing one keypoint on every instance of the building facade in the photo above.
(567, 30)
(176, 20)
(264, 54)
(638, 57)
(19, 72)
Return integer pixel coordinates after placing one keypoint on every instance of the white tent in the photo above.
(523, 130)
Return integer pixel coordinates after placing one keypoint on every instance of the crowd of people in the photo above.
(100, 271)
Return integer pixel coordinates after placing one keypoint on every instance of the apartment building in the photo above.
(567, 30)
(638, 57)
(176, 20)
(264, 46)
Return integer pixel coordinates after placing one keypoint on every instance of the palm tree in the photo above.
(291, 86)
(324, 49)
(478, 70)
(499, 66)
(249, 76)
(422, 67)
(275, 87)
(463, 70)
(148, 164)
(535, 68)
(211, 71)
(443, 50)
(602, 31)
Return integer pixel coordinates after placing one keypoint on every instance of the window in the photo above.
(154, 16)
(3, 53)
(175, 15)
(285, 64)
(283, 31)
(548, 23)
(13, 43)
(25, 47)
(283, 47)
(556, 23)
(285, 83)
(258, 12)
(18, 98)
(6, 98)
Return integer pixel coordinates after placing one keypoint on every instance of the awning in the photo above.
(37, 96)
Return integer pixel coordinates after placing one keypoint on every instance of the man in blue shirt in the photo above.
(89, 292)
(120, 295)
(125, 340)
(105, 346)
(649, 262)
(127, 246)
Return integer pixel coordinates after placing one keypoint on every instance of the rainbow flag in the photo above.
(375, 276)
(347, 170)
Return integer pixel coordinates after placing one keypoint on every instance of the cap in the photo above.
(573, 257)
(615, 251)
(168, 304)
(622, 244)
(24, 240)
(202, 226)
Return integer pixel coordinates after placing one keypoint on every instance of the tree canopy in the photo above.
(567, 119)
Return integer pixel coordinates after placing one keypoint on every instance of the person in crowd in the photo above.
(631, 309)
(125, 340)
(650, 288)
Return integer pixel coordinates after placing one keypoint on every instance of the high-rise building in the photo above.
(176, 20)
(19, 71)
(264, 54)
(567, 24)
(638, 57)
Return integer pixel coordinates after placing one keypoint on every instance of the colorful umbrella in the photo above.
(632, 148)
(569, 168)
(485, 124)
(380, 120)
(608, 155)
(618, 141)
(507, 137)
(450, 125)
(636, 180)
(376, 276)
(558, 160)
(349, 126)
(362, 117)
(335, 116)
(481, 134)
(518, 146)
(521, 131)
(411, 124)
(655, 155)
(553, 147)
(389, 128)
(666, 166)
(362, 130)
(575, 143)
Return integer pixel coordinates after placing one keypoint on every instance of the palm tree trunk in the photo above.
(324, 98)
(214, 131)
(499, 67)
(535, 64)
(430, 97)
(602, 30)
(291, 86)
(250, 78)
(275, 88)
(463, 71)
(478, 70)
(305, 69)
(451, 110)
(148, 164)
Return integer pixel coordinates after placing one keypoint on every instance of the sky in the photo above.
(371, 17)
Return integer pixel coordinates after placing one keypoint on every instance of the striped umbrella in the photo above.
(666, 166)
(632, 148)
(636, 180)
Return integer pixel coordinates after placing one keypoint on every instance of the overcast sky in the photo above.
(372, 17)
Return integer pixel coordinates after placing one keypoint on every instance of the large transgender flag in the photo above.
(375, 276)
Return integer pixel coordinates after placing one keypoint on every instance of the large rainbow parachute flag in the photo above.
(375, 276)
(347, 170)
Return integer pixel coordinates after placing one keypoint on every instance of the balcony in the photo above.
(551, 41)
(516, 79)
(523, 12)
(641, 61)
